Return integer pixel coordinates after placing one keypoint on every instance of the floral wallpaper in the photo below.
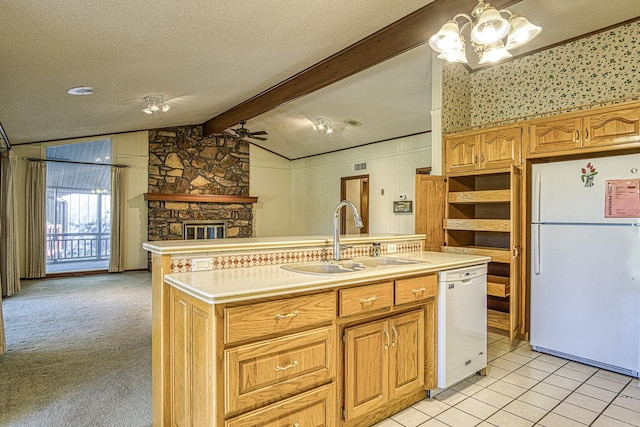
(456, 97)
(597, 68)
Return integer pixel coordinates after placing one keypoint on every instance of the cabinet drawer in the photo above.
(366, 298)
(314, 408)
(498, 286)
(416, 288)
(257, 374)
(272, 317)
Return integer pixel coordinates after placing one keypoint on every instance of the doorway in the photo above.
(78, 207)
(356, 190)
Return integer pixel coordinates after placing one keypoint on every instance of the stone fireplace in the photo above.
(197, 179)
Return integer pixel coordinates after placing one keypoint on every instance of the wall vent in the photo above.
(360, 166)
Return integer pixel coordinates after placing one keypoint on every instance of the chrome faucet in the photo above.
(336, 225)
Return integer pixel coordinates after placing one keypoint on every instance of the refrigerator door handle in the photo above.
(537, 187)
(536, 248)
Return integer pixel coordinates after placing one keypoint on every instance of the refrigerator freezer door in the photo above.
(560, 195)
(584, 301)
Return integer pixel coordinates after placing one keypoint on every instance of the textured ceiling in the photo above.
(207, 56)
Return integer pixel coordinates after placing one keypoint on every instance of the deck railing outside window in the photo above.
(76, 247)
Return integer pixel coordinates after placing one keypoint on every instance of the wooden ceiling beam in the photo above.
(398, 37)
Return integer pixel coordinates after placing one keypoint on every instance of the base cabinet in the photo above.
(383, 360)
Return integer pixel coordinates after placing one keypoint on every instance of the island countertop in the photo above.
(241, 284)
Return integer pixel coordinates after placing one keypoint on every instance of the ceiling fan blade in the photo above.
(259, 138)
(260, 132)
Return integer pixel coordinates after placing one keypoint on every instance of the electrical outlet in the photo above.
(201, 264)
(392, 248)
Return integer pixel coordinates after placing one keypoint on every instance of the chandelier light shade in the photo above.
(489, 28)
(155, 104)
(323, 126)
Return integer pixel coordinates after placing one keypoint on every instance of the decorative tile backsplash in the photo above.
(595, 69)
(182, 264)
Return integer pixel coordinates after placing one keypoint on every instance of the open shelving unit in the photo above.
(483, 218)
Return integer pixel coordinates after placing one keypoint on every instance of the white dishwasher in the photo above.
(462, 323)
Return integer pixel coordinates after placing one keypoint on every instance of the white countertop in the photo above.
(241, 284)
(250, 243)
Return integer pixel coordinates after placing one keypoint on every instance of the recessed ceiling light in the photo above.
(82, 90)
(353, 122)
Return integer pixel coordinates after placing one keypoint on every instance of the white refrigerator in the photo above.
(585, 261)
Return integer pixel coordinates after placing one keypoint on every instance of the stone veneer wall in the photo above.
(182, 162)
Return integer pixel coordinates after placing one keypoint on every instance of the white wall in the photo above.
(391, 166)
(127, 148)
(270, 181)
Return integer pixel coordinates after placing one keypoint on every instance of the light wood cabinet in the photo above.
(483, 218)
(314, 408)
(489, 149)
(191, 323)
(276, 361)
(383, 360)
(430, 191)
(587, 131)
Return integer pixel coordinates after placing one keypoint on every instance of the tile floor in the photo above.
(527, 388)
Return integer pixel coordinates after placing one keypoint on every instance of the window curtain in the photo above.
(36, 219)
(9, 254)
(3, 340)
(118, 198)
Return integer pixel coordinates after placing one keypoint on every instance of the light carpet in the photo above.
(79, 352)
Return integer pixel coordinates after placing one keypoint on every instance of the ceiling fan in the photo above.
(243, 132)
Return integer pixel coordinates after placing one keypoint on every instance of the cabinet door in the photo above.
(190, 368)
(617, 126)
(554, 135)
(500, 148)
(406, 366)
(461, 153)
(430, 191)
(366, 368)
(515, 279)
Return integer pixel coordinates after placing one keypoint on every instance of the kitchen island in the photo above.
(250, 342)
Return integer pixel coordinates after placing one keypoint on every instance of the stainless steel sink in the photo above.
(384, 261)
(347, 266)
(333, 267)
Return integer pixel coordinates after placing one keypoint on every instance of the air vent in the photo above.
(360, 166)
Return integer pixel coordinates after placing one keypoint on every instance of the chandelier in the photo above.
(323, 126)
(488, 30)
(155, 104)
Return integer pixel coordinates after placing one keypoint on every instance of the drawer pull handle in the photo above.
(287, 316)
(386, 346)
(369, 300)
(418, 291)
(296, 424)
(284, 368)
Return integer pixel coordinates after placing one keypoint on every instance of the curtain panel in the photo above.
(36, 219)
(9, 253)
(118, 200)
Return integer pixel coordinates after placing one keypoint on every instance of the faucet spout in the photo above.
(336, 225)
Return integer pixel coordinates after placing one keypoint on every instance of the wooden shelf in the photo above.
(500, 225)
(498, 286)
(487, 196)
(497, 255)
(199, 198)
(498, 319)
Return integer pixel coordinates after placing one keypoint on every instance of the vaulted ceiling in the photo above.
(207, 56)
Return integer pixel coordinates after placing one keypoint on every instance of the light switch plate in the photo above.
(201, 264)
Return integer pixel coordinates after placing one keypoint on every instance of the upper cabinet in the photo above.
(592, 130)
(487, 149)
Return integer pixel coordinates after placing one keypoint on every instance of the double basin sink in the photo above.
(347, 266)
